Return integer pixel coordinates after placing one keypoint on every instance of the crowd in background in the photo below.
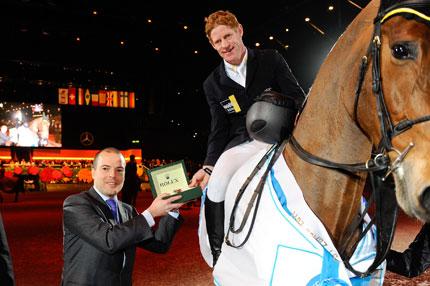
(18, 177)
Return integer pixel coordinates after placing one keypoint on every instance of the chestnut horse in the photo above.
(372, 94)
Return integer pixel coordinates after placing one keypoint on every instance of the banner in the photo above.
(123, 99)
(102, 98)
(63, 95)
(72, 95)
(107, 98)
(131, 100)
(115, 98)
(87, 97)
(80, 96)
(95, 99)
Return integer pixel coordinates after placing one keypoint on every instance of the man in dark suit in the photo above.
(230, 91)
(101, 233)
(7, 278)
(131, 183)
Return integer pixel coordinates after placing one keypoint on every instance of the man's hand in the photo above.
(161, 206)
(201, 178)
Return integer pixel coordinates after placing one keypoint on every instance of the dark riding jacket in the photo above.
(229, 101)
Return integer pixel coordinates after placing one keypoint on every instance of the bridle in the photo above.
(387, 129)
(378, 167)
(380, 161)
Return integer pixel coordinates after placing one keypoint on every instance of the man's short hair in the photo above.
(218, 18)
(105, 150)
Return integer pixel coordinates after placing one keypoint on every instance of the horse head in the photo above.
(375, 99)
(405, 87)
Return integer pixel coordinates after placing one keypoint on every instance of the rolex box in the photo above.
(172, 179)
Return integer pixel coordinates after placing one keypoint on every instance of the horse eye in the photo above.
(404, 51)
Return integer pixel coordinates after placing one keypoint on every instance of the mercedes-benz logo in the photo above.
(86, 138)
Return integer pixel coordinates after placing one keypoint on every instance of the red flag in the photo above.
(102, 97)
(95, 99)
(131, 100)
(72, 95)
(109, 99)
(63, 96)
(80, 96)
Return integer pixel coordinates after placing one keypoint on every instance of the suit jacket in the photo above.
(95, 245)
(265, 69)
(7, 278)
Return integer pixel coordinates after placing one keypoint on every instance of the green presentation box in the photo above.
(172, 179)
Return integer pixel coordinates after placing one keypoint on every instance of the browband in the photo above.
(405, 10)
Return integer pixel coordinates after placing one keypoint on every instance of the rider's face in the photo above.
(228, 43)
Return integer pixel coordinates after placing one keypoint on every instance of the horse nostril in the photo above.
(425, 198)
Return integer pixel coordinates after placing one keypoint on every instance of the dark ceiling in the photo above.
(45, 32)
(52, 43)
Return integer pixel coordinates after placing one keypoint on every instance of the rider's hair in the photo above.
(218, 18)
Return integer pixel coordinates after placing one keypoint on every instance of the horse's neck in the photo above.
(333, 196)
(326, 129)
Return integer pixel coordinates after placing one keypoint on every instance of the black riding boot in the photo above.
(214, 214)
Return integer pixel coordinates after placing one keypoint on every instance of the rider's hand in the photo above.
(201, 177)
(161, 206)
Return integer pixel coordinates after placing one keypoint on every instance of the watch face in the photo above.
(86, 138)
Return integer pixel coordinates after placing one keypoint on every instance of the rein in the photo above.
(277, 150)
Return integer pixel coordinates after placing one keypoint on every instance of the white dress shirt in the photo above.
(237, 73)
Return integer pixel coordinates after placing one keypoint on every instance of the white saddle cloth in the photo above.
(288, 244)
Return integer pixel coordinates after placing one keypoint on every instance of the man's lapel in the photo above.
(122, 213)
(100, 204)
(251, 68)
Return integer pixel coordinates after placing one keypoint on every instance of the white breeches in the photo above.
(227, 165)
